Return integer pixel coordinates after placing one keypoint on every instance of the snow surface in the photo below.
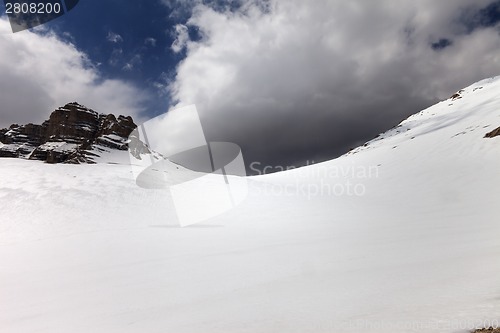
(113, 137)
(410, 245)
(11, 147)
(60, 147)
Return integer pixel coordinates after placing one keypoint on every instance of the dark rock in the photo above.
(112, 131)
(488, 330)
(492, 134)
(16, 134)
(72, 123)
(8, 153)
(457, 95)
(69, 135)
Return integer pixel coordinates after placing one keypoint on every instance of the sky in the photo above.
(291, 82)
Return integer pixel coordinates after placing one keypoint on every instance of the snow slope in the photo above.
(400, 235)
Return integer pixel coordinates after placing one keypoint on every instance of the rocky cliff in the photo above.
(73, 134)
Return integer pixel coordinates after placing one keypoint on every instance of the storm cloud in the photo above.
(296, 81)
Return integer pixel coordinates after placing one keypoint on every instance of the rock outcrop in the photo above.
(71, 135)
(492, 134)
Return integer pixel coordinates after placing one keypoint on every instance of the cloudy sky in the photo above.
(289, 81)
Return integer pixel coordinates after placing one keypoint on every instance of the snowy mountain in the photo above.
(73, 134)
(398, 235)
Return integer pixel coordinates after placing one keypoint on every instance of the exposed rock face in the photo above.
(69, 136)
(457, 95)
(492, 134)
(488, 330)
(72, 123)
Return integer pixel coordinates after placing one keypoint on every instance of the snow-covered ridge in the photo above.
(84, 249)
(447, 114)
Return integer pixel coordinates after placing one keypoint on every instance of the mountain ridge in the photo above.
(412, 247)
(73, 133)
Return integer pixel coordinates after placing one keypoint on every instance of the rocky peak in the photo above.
(72, 123)
(72, 134)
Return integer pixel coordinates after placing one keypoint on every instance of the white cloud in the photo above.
(180, 8)
(181, 38)
(304, 77)
(40, 72)
(150, 41)
(114, 37)
(133, 63)
(115, 57)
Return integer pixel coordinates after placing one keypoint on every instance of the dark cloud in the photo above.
(300, 80)
(476, 17)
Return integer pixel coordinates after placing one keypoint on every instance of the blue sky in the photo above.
(289, 81)
(129, 40)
